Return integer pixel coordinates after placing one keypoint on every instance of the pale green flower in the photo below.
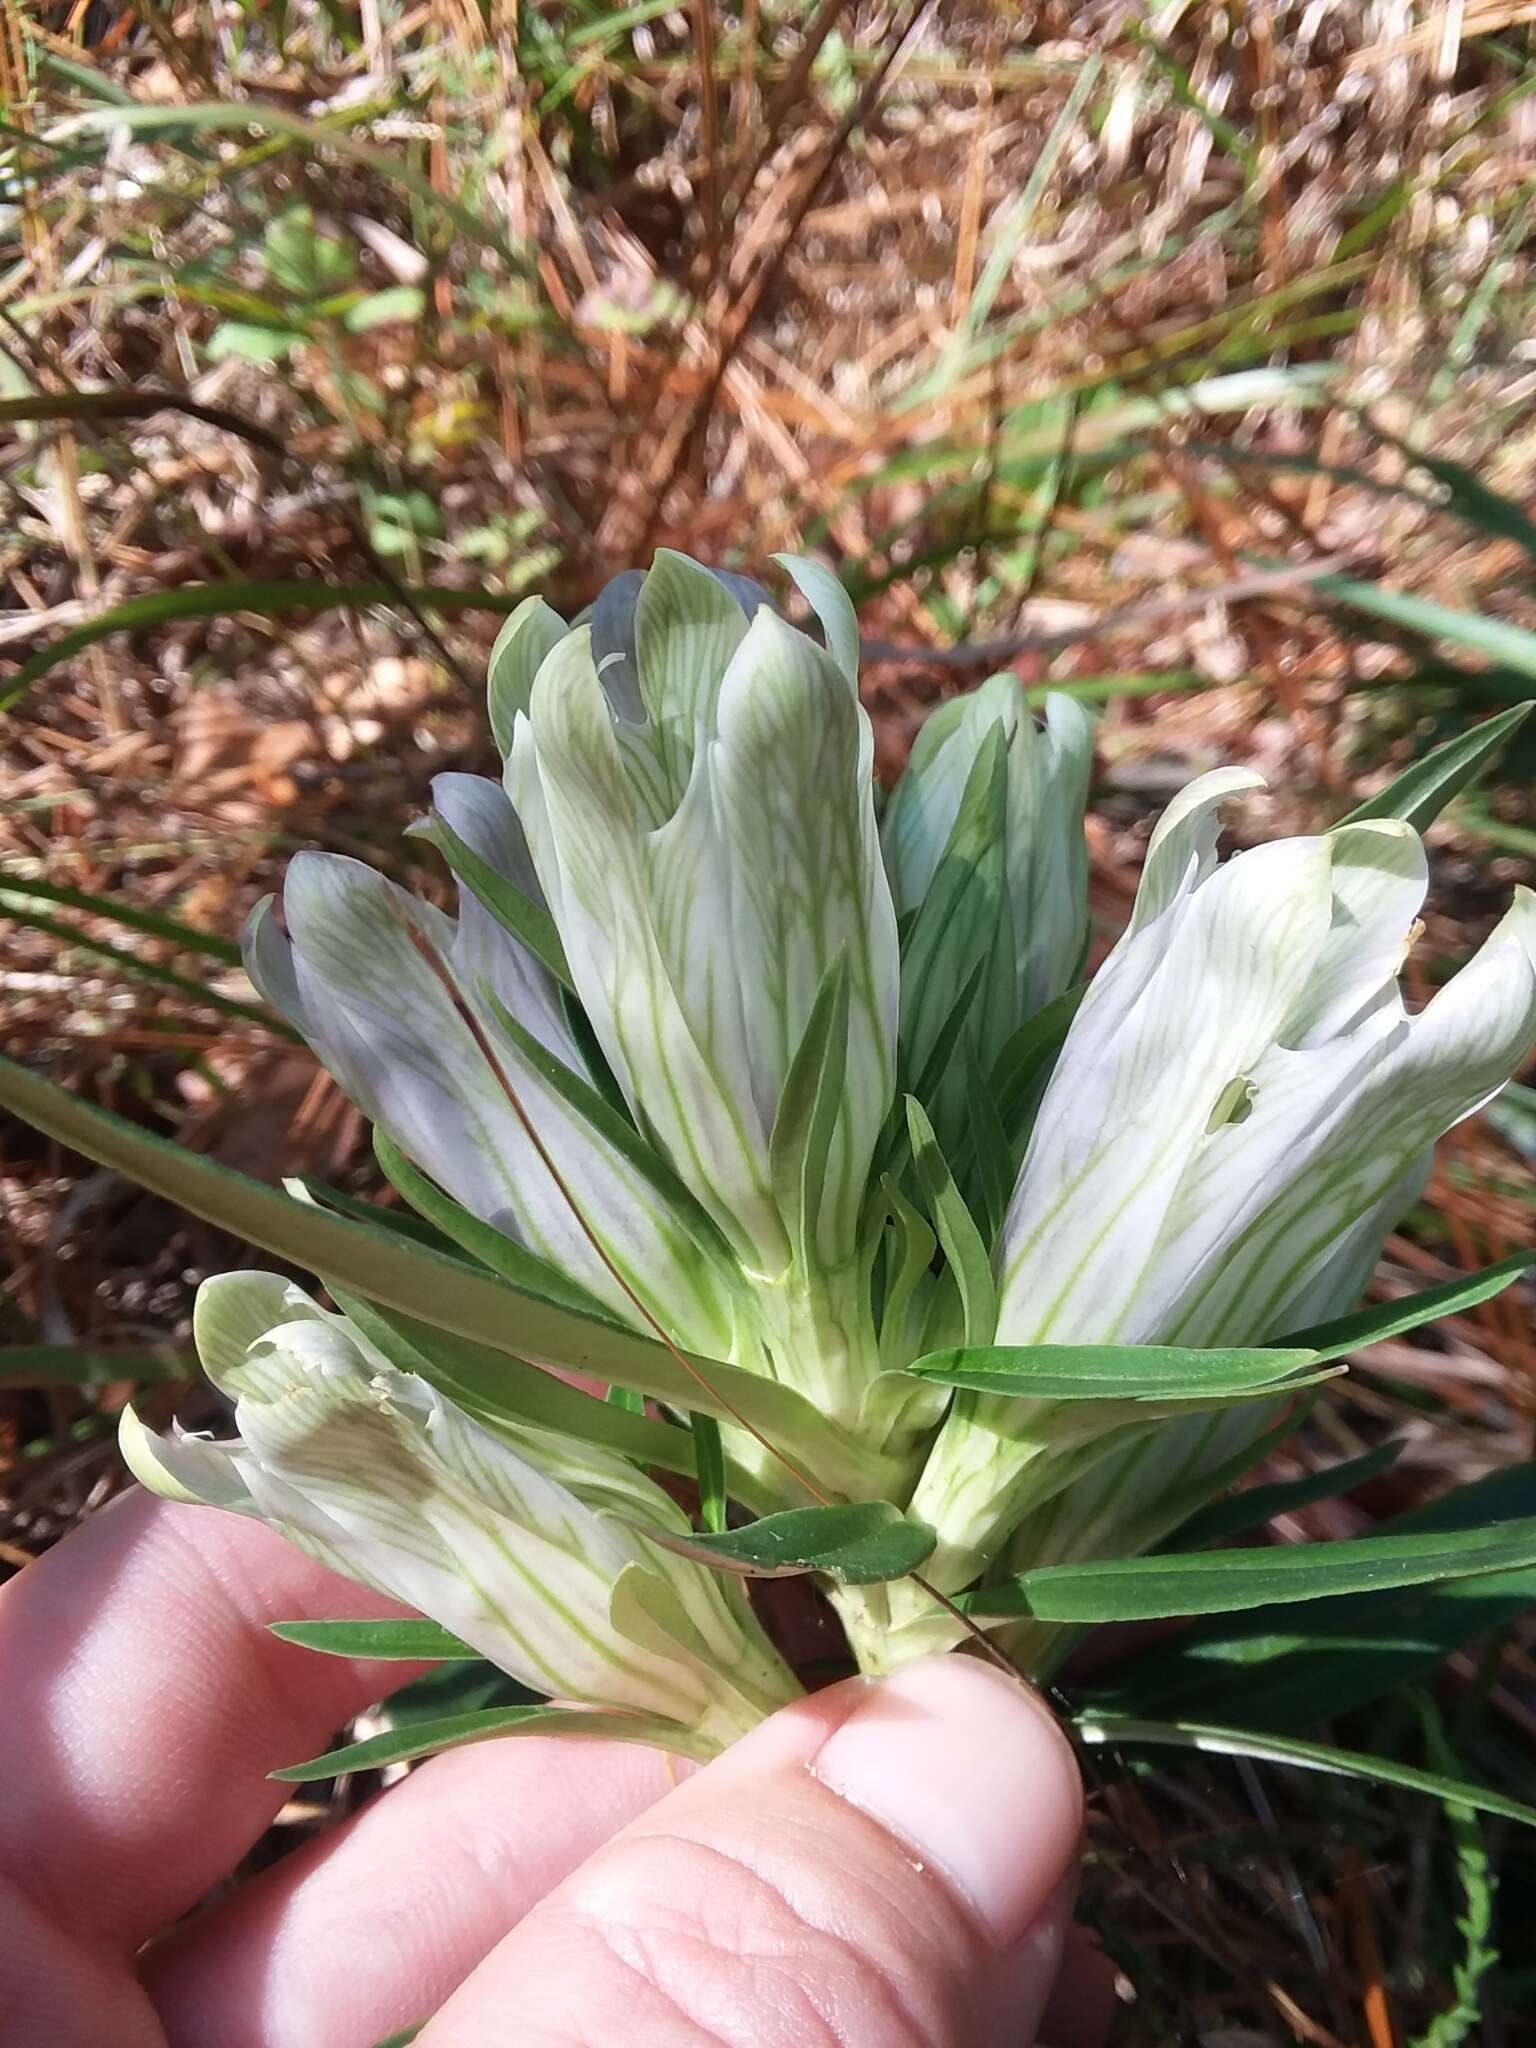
(1241, 1112)
(528, 1546)
(984, 829)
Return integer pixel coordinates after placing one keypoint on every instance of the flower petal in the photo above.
(1189, 1001)
(684, 1074)
(1336, 1129)
(396, 1034)
(795, 814)
(528, 635)
(831, 603)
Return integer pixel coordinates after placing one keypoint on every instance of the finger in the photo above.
(146, 1703)
(887, 1865)
(1084, 1998)
(413, 1892)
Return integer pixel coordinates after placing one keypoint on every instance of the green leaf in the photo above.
(1424, 789)
(1259, 1505)
(1115, 1372)
(490, 1247)
(963, 1244)
(909, 1260)
(69, 1365)
(709, 1459)
(860, 1544)
(504, 1393)
(994, 1170)
(23, 912)
(1345, 1334)
(805, 1123)
(1026, 1058)
(1229, 1581)
(1112, 1732)
(375, 1214)
(955, 930)
(1466, 494)
(426, 1738)
(1314, 1659)
(442, 1291)
(404, 2038)
(413, 1642)
(528, 922)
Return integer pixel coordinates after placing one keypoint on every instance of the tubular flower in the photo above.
(1241, 1112)
(531, 1548)
(719, 1088)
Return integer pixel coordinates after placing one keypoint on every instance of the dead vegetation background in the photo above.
(328, 331)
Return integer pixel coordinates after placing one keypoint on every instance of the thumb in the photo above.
(887, 1865)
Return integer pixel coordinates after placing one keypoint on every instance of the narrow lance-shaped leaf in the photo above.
(963, 1244)
(528, 922)
(68, 1365)
(1373, 1325)
(1290, 1667)
(1258, 1505)
(859, 1544)
(800, 1145)
(411, 1642)
(491, 1248)
(1226, 1581)
(440, 1291)
(709, 1455)
(427, 1738)
(1426, 786)
(1113, 1372)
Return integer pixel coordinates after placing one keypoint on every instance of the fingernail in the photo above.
(967, 1769)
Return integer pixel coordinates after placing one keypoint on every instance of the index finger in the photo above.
(145, 1703)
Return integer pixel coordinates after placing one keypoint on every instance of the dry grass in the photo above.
(964, 298)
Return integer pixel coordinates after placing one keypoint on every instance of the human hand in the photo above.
(882, 1866)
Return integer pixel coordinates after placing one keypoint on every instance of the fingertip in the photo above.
(968, 1768)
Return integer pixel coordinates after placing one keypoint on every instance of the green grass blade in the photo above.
(150, 922)
(265, 597)
(1424, 788)
(21, 912)
(1110, 1732)
(68, 1365)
